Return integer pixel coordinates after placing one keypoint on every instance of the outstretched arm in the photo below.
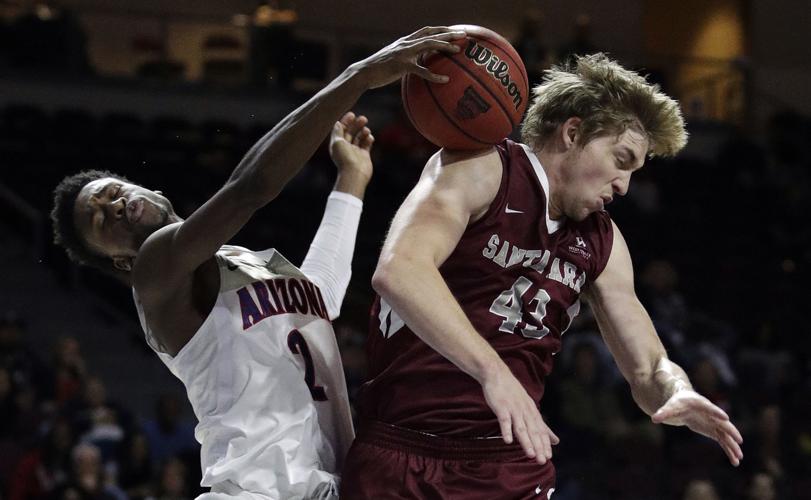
(172, 254)
(659, 386)
(329, 261)
(451, 193)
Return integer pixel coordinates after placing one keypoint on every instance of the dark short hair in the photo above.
(66, 234)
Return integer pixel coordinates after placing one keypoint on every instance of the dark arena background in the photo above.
(173, 93)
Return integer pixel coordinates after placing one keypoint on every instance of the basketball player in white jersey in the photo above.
(247, 332)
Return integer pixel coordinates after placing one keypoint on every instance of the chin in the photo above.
(580, 215)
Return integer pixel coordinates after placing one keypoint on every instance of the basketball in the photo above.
(484, 99)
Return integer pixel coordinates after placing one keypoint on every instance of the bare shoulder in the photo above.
(480, 162)
(473, 176)
(618, 275)
(152, 272)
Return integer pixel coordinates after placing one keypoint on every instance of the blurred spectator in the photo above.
(99, 421)
(45, 468)
(168, 435)
(665, 304)
(700, 489)
(69, 370)
(704, 375)
(87, 480)
(761, 487)
(135, 468)
(766, 447)
(23, 365)
(766, 368)
(590, 418)
(589, 405)
(173, 481)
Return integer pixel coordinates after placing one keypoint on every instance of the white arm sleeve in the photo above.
(328, 263)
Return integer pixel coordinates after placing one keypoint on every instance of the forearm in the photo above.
(631, 337)
(351, 182)
(651, 392)
(420, 296)
(281, 153)
(329, 261)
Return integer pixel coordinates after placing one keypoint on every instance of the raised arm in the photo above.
(450, 194)
(659, 386)
(171, 254)
(328, 263)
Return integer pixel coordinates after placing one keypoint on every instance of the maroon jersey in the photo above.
(518, 276)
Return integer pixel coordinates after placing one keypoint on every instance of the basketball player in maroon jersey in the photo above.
(481, 274)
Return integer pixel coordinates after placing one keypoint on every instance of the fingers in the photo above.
(361, 136)
(351, 127)
(522, 433)
(536, 429)
(433, 44)
(729, 428)
(505, 423)
(540, 443)
(717, 412)
(426, 74)
(435, 30)
(355, 127)
(554, 439)
(428, 45)
(666, 413)
(548, 439)
(347, 118)
(731, 448)
(366, 143)
(540, 437)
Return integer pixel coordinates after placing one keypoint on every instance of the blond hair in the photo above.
(609, 99)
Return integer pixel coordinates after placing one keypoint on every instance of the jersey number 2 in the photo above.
(297, 344)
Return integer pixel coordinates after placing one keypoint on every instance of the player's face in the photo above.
(115, 217)
(597, 171)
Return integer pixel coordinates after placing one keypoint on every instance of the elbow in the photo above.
(390, 274)
(254, 190)
(384, 277)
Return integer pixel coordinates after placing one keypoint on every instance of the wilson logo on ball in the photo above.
(498, 68)
(471, 105)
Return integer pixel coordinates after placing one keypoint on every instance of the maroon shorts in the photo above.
(389, 462)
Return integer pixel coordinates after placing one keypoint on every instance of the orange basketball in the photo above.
(484, 99)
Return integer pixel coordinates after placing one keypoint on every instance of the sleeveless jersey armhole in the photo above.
(496, 205)
(606, 242)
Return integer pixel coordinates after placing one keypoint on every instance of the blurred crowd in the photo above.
(63, 437)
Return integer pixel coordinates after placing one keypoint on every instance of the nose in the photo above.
(117, 208)
(620, 184)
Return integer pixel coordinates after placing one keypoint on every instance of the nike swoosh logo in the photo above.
(509, 210)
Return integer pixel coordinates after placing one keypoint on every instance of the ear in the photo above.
(159, 192)
(122, 263)
(570, 131)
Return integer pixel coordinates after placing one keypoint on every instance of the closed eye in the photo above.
(113, 196)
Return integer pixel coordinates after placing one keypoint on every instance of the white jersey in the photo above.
(263, 374)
